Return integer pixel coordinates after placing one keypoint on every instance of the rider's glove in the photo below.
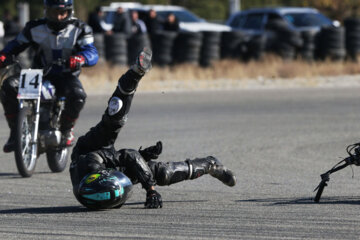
(153, 199)
(152, 152)
(76, 62)
(4, 60)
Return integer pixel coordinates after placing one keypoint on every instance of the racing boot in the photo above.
(67, 127)
(10, 144)
(151, 152)
(211, 165)
(68, 138)
(129, 82)
(143, 62)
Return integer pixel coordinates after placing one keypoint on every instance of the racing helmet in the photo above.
(104, 189)
(55, 5)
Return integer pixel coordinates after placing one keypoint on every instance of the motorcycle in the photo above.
(353, 159)
(38, 121)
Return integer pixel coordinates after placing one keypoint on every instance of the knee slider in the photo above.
(76, 98)
(163, 175)
(79, 93)
(76, 94)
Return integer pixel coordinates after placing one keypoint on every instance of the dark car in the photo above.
(284, 30)
(254, 21)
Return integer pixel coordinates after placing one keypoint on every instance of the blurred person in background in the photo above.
(58, 37)
(153, 22)
(95, 20)
(122, 22)
(2, 31)
(137, 25)
(94, 160)
(171, 23)
(11, 24)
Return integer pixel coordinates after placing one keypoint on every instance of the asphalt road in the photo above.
(277, 142)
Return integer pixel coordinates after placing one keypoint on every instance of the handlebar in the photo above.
(14, 63)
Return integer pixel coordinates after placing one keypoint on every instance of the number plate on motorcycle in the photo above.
(30, 83)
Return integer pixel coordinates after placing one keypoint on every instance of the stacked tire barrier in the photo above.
(99, 43)
(331, 44)
(231, 44)
(287, 41)
(2, 43)
(308, 48)
(210, 49)
(352, 33)
(116, 49)
(162, 46)
(254, 48)
(135, 44)
(187, 47)
(204, 48)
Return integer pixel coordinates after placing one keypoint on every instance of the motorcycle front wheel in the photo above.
(57, 159)
(25, 146)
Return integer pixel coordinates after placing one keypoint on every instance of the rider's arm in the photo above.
(22, 41)
(86, 46)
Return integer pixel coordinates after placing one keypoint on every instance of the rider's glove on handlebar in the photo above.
(4, 60)
(76, 62)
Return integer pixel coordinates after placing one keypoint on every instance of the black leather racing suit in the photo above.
(95, 150)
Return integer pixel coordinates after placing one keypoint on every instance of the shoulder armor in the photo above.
(35, 23)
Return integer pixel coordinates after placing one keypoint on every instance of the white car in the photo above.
(188, 21)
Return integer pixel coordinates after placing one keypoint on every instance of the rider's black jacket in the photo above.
(49, 46)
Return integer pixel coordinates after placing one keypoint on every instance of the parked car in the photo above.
(287, 31)
(188, 21)
(254, 21)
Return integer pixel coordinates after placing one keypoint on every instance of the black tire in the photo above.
(330, 43)
(2, 43)
(187, 47)
(255, 48)
(57, 159)
(25, 129)
(99, 43)
(352, 26)
(210, 50)
(162, 44)
(231, 42)
(116, 48)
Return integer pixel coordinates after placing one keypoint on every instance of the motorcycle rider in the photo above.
(58, 37)
(94, 153)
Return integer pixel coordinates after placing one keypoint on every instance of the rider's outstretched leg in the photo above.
(173, 172)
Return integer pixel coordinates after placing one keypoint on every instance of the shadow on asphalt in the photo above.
(74, 209)
(142, 203)
(45, 210)
(305, 201)
(9, 175)
(17, 175)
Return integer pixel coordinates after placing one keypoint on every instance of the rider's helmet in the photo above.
(104, 189)
(53, 8)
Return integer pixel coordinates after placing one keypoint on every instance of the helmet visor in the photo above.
(58, 14)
